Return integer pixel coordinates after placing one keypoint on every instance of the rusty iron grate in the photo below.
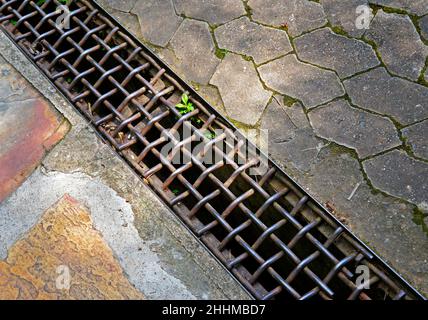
(266, 230)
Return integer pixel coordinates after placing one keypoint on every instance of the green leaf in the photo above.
(185, 98)
(209, 135)
(41, 2)
(181, 106)
(13, 22)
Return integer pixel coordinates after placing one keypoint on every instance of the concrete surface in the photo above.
(155, 252)
(56, 260)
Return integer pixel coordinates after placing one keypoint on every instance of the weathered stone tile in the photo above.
(29, 127)
(417, 137)
(158, 20)
(212, 95)
(398, 43)
(376, 90)
(211, 11)
(240, 88)
(312, 85)
(297, 115)
(55, 260)
(423, 24)
(327, 49)
(416, 7)
(368, 134)
(384, 222)
(291, 141)
(245, 37)
(121, 5)
(130, 22)
(194, 48)
(344, 14)
(282, 121)
(298, 16)
(399, 175)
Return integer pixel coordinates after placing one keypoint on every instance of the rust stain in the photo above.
(63, 238)
(37, 130)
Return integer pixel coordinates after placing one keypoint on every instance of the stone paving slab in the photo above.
(297, 16)
(417, 138)
(55, 260)
(327, 49)
(251, 39)
(158, 20)
(416, 7)
(311, 85)
(243, 94)
(399, 175)
(423, 24)
(29, 127)
(343, 14)
(376, 90)
(212, 11)
(398, 43)
(194, 38)
(367, 133)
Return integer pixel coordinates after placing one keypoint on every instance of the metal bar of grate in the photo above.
(276, 240)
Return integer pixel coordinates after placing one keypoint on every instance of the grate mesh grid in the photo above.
(276, 240)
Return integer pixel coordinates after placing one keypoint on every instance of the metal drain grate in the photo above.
(278, 241)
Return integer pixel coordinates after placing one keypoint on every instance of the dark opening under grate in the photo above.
(277, 240)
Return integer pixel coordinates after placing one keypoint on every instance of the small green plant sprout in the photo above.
(13, 22)
(65, 2)
(175, 191)
(209, 134)
(185, 106)
(40, 2)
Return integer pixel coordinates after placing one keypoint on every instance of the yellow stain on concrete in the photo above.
(63, 243)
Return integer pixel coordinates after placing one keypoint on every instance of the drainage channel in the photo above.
(268, 232)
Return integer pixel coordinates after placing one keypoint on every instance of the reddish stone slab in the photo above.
(28, 129)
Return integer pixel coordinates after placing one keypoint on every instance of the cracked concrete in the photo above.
(146, 237)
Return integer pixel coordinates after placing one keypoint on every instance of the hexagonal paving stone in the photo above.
(327, 49)
(158, 20)
(417, 7)
(282, 122)
(399, 175)
(383, 221)
(417, 137)
(399, 44)
(298, 16)
(312, 85)
(194, 48)
(251, 39)
(122, 5)
(211, 11)
(344, 14)
(376, 90)
(240, 88)
(368, 134)
(423, 24)
(291, 140)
